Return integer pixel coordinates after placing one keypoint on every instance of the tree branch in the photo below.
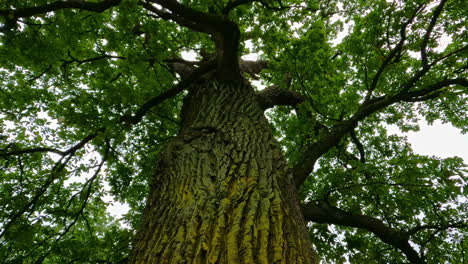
(434, 88)
(210, 22)
(79, 62)
(359, 146)
(182, 67)
(313, 151)
(167, 94)
(31, 150)
(427, 35)
(88, 185)
(416, 229)
(448, 55)
(253, 68)
(274, 95)
(393, 53)
(13, 14)
(40, 74)
(176, 18)
(332, 137)
(407, 96)
(321, 212)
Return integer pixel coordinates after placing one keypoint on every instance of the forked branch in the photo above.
(225, 32)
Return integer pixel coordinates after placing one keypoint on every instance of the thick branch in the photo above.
(182, 67)
(58, 5)
(31, 150)
(211, 22)
(227, 49)
(253, 68)
(434, 88)
(313, 151)
(322, 212)
(407, 96)
(274, 95)
(359, 146)
(177, 19)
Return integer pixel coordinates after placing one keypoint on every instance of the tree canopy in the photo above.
(91, 90)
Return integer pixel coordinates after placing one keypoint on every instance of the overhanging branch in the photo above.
(313, 151)
(12, 15)
(58, 5)
(88, 185)
(321, 212)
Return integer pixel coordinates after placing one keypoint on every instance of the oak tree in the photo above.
(271, 145)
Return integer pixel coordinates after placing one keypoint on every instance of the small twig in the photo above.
(40, 74)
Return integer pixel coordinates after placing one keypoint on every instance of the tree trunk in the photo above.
(223, 192)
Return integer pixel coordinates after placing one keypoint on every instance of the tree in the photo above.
(97, 99)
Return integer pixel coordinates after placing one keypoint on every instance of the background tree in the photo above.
(92, 98)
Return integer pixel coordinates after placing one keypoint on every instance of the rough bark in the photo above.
(223, 192)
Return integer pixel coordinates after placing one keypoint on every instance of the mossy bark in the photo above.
(223, 192)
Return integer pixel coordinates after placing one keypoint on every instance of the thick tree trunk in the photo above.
(223, 192)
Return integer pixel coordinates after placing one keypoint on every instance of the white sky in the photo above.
(441, 140)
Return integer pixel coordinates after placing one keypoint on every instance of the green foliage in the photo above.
(68, 74)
